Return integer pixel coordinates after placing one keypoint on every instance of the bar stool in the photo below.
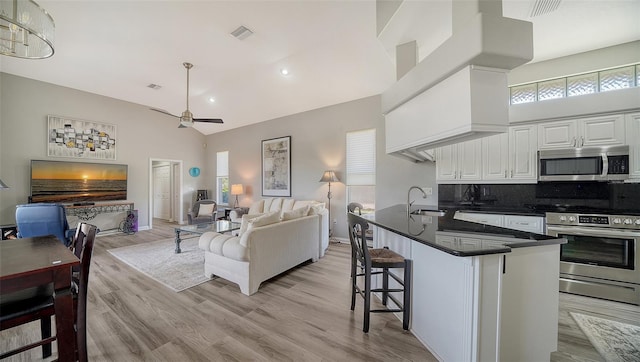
(365, 260)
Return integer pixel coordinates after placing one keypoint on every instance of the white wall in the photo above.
(141, 135)
(318, 141)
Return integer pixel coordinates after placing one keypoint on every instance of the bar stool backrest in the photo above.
(359, 248)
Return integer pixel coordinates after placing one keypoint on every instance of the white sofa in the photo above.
(261, 251)
(284, 205)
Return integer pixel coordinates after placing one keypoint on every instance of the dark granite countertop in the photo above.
(456, 237)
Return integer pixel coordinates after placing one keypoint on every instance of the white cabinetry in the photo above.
(596, 131)
(511, 156)
(460, 163)
(533, 224)
(633, 140)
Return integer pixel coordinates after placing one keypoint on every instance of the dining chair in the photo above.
(37, 303)
(367, 262)
(42, 219)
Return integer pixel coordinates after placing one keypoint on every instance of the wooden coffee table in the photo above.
(220, 226)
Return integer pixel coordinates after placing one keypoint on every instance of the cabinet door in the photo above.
(534, 224)
(495, 151)
(601, 131)
(523, 153)
(470, 160)
(633, 140)
(561, 134)
(446, 157)
(480, 218)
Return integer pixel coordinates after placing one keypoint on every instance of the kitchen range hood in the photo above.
(459, 91)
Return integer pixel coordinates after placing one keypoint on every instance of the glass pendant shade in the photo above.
(26, 30)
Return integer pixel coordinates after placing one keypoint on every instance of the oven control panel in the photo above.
(631, 222)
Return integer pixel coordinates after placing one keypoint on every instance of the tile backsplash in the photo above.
(614, 196)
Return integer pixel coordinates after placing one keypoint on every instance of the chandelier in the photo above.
(26, 30)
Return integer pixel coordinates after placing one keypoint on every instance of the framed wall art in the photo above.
(276, 167)
(67, 137)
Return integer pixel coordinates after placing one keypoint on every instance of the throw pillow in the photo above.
(316, 209)
(276, 205)
(244, 224)
(206, 209)
(266, 219)
(295, 214)
(287, 204)
(256, 207)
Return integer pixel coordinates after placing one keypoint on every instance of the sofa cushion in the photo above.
(223, 244)
(287, 204)
(295, 214)
(276, 205)
(267, 204)
(244, 224)
(302, 203)
(206, 209)
(256, 207)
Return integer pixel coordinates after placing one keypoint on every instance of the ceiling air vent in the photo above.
(154, 86)
(242, 32)
(541, 7)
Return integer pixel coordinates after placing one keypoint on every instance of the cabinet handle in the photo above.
(573, 144)
(581, 141)
(505, 173)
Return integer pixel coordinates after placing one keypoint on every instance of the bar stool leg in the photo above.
(367, 298)
(406, 307)
(385, 285)
(354, 263)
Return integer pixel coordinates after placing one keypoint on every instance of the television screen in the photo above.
(66, 182)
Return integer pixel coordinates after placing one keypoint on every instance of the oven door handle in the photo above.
(585, 231)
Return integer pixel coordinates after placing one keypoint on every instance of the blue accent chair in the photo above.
(43, 219)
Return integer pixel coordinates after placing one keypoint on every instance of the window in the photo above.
(361, 168)
(222, 178)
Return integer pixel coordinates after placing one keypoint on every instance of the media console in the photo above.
(108, 216)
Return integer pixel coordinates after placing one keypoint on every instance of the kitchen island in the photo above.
(480, 293)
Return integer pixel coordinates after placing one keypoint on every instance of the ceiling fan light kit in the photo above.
(186, 119)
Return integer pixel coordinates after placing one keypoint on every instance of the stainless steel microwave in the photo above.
(609, 163)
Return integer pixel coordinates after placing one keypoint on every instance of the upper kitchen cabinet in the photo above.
(633, 140)
(459, 163)
(511, 157)
(596, 131)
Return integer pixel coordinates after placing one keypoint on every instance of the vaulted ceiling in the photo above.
(330, 48)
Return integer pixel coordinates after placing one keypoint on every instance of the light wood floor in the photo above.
(302, 315)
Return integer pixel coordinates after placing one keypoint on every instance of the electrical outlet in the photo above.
(428, 190)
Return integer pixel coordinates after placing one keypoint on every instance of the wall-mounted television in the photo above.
(73, 182)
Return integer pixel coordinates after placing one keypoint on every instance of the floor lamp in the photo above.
(329, 176)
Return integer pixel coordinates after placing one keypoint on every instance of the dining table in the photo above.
(35, 261)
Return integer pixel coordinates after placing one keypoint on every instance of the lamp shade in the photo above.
(237, 189)
(329, 176)
(3, 185)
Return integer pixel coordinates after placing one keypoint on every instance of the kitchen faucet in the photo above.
(409, 203)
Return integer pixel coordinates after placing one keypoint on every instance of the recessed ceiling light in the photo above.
(212, 100)
(284, 71)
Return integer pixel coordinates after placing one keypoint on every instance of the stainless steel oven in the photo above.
(609, 163)
(601, 256)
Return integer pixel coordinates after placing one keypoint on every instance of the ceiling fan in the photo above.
(186, 119)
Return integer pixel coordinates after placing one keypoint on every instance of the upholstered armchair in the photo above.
(203, 211)
(43, 219)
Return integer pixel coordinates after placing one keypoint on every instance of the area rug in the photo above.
(614, 341)
(158, 260)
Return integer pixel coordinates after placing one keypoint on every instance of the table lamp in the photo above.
(236, 190)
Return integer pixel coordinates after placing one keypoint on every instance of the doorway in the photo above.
(165, 185)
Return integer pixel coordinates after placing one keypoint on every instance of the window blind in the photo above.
(361, 157)
(222, 164)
